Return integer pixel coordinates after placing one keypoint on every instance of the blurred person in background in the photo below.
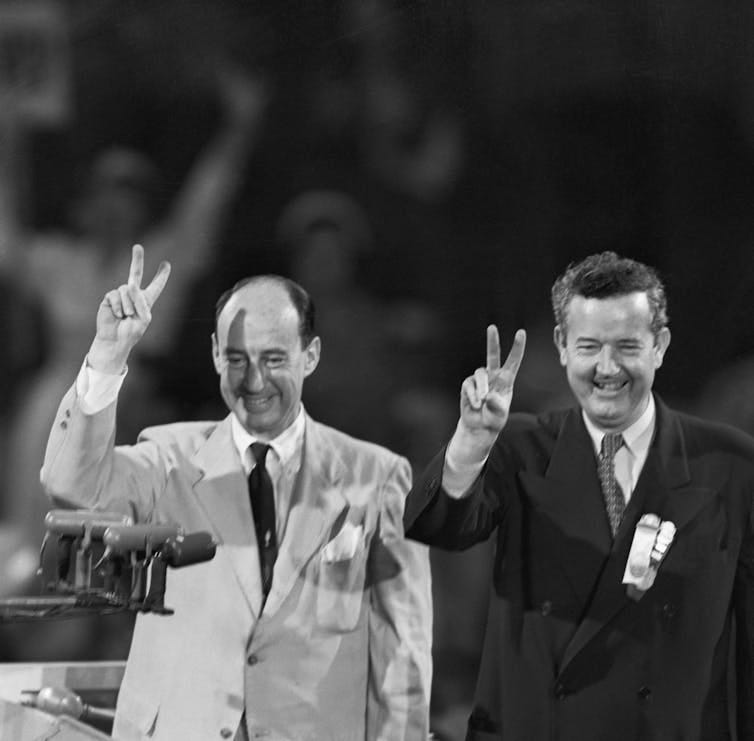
(374, 344)
(67, 272)
(64, 274)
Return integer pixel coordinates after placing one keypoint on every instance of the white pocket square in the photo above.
(344, 545)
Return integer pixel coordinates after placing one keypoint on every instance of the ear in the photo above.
(216, 354)
(311, 356)
(559, 338)
(662, 341)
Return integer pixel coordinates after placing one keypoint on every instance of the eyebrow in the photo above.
(231, 350)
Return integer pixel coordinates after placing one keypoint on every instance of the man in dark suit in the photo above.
(623, 579)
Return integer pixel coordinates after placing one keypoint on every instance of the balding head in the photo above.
(298, 297)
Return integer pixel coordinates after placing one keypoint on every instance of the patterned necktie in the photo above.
(263, 509)
(614, 501)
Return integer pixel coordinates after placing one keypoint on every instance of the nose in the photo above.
(254, 378)
(606, 362)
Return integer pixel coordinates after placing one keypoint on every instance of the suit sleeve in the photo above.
(82, 468)
(400, 624)
(435, 518)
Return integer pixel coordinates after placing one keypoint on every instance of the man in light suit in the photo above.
(578, 647)
(335, 646)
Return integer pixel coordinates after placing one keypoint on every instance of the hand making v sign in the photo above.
(124, 315)
(486, 395)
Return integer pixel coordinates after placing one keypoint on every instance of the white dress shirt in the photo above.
(283, 462)
(631, 456)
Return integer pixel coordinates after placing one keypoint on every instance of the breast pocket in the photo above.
(340, 591)
(703, 542)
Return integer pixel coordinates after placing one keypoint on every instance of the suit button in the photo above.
(644, 693)
(226, 732)
(546, 608)
(252, 659)
(560, 691)
(668, 610)
(64, 424)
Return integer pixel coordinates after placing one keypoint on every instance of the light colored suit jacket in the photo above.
(341, 650)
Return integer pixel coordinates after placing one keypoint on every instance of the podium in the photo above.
(96, 563)
(95, 682)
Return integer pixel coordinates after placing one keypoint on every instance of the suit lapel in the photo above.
(664, 489)
(675, 499)
(316, 502)
(222, 491)
(569, 503)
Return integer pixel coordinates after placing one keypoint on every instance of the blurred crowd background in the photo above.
(423, 168)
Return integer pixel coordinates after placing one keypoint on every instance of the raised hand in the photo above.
(244, 94)
(125, 314)
(486, 395)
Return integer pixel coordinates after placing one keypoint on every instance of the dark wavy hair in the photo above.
(605, 275)
(299, 297)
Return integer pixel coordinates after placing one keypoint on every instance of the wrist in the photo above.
(470, 447)
(105, 358)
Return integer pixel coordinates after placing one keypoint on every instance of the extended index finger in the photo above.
(136, 271)
(493, 348)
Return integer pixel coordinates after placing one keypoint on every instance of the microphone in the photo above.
(186, 550)
(125, 538)
(75, 522)
(76, 530)
(62, 701)
(182, 550)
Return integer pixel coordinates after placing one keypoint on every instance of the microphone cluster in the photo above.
(103, 561)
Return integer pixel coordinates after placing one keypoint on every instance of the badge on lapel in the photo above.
(652, 540)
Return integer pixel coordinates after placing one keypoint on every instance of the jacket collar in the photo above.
(222, 490)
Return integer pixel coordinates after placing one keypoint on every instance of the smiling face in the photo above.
(610, 355)
(258, 354)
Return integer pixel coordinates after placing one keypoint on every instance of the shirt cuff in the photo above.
(96, 390)
(458, 477)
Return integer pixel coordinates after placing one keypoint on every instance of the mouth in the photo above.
(254, 403)
(610, 387)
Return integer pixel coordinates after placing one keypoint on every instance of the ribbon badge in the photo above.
(652, 540)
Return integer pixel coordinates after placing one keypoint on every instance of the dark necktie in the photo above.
(614, 501)
(263, 509)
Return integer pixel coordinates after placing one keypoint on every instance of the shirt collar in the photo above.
(636, 438)
(284, 445)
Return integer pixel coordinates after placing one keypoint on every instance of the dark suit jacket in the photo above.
(567, 654)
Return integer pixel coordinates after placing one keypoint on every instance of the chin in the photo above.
(608, 419)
